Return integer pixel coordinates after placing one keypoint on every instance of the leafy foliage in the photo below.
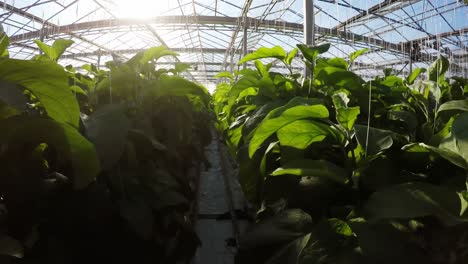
(380, 173)
(99, 165)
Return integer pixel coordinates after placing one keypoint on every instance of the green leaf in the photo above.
(392, 81)
(438, 68)
(353, 56)
(338, 63)
(340, 77)
(283, 227)
(412, 200)
(11, 247)
(262, 69)
(6, 111)
(263, 162)
(291, 56)
(384, 243)
(347, 116)
(447, 154)
(340, 100)
(454, 105)
(408, 118)
(139, 217)
(181, 66)
(301, 133)
(249, 175)
(179, 86)
(263, 52)
(379, 139)
(340, 227)
(77, 90)
(294, 110)
(4, 42)
(457, 141)
(291, 252)
(224, 74)
(316, 168)
(48, 82)
(71, 145)
(13, 95)
(437, 138)
(311, 53)
(415, 75)
(56, 50)
(107, 129)
(151, 54)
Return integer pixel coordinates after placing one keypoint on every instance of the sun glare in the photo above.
(139, 9)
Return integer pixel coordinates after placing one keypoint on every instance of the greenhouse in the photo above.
(224, 131)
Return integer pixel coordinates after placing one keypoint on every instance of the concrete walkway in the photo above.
(219, 194)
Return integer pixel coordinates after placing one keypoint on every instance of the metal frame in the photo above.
(215, 39)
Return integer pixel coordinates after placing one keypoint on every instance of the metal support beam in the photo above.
(280, 26)
(241, 22)
(48, 27)
(368, 12)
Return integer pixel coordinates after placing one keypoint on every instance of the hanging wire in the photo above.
(368, 118)
(110, 86)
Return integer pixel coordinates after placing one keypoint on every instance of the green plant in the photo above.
(344, 170)
(98, 165)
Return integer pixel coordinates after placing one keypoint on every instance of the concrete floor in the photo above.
(214, 200)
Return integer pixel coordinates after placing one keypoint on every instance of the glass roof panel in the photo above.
(211, 32)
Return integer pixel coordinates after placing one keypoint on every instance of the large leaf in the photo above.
(107, 128)
(438, 68)
(4, 42)
(294, 110)
(378, 139)
(290, 254)
(224, 74)
(384, 243)
(56, 50)
(11, 247)
(284, 227)
(412, 200)
(151, 54)
(316, 168)
(250, 177)
(6, 111)
(457, 141)
(449, 155)
(338, 63)
(179, 86)
(337, 76)
(346, 116)
(408, 118)
(454, 105)
(67, 140)
(49, 84)
(139, 217)
(263, 52)
(311, 53)
(353, 56)
(301, 133)
(12, 95)
(416, 72)
(290, 56)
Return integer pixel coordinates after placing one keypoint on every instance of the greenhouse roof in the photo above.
(208, 34)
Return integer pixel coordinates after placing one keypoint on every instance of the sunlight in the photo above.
(139, 9)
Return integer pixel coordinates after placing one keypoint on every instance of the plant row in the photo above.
(98, 165)
(345, 170)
